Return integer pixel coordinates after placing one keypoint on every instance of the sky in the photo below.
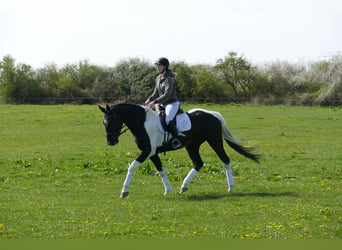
(40, 32)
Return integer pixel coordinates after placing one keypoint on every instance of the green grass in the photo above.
(59, 179)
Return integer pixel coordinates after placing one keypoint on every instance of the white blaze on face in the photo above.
(105, 122)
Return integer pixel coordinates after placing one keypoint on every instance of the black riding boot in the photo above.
(176, 143)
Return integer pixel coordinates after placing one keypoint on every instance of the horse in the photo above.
(143, 122)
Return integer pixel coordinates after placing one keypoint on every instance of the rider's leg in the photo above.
(171, 110)
(176, 143)
(170, 113)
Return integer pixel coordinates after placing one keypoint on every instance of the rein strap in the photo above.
(124, 131)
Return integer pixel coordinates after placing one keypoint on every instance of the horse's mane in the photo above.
(126, 107)
(130, 110)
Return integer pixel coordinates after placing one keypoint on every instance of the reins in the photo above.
(125, 130)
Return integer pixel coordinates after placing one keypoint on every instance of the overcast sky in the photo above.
(38, 32)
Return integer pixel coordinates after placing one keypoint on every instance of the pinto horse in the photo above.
(206, 125)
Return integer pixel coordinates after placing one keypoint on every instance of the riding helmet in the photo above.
(163, 61)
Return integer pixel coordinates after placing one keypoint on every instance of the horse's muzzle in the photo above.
(112, 142)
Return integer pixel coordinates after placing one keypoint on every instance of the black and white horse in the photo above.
(143, 122)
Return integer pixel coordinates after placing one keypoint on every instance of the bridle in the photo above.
(117, 132)
(124, 128)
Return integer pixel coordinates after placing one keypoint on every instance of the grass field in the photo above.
(59, 179)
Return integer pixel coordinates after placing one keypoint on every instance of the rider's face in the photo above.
(160, 68)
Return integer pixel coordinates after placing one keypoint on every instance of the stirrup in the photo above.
(176, 143)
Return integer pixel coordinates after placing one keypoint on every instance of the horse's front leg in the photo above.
(127, 182)
(156, 161)
(142, 157)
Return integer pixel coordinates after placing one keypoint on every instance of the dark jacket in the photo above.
(165, 89)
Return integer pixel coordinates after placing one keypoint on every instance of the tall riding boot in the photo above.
(176, 143)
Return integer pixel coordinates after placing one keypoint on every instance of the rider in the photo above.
(165, 93)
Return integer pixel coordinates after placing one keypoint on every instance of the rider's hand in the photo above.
(148, 102)
(151, 104)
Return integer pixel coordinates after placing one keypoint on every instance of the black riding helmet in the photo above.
(162, 61)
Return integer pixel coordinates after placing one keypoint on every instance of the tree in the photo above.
(330, 74)
(7, 78)
(237, 72)
(17, 81)
(185, 78)
(207, 86)
(48, 78)
(77, 80)
(106, 88)
(143, 84)
(128, 73)
(82, 74)
(283, 79)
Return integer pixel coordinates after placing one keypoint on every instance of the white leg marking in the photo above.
(230, 177)
(188, 179)
(130, 172)
(165, 180)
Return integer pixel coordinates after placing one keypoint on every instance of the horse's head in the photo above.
(113, 125)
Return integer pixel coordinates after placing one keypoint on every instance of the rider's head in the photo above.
(162, 64)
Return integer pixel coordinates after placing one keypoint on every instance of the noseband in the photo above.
(118, 132)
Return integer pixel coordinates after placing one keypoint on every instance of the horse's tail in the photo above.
(234, 143)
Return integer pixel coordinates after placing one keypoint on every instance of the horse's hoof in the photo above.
(167, 191)
(124, 194)
(231, 189)
(183, 189)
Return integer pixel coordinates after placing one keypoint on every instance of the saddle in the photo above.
(181, 119)
(162, 115)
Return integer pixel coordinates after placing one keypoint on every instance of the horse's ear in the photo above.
(108, 110)
(102, 109)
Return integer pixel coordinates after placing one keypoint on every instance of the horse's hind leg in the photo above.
(193, 152)
(230, 178)
(217, 144)
(156, 161)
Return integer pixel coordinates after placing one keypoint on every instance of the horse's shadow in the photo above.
(216, 196)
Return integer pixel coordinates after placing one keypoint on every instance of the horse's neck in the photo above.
(132, 115)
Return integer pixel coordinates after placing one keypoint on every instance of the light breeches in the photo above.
(171, 111)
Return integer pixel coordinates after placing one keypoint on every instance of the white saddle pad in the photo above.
(182, 120)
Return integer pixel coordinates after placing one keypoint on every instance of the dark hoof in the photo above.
(183, 189)
(124, 194)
